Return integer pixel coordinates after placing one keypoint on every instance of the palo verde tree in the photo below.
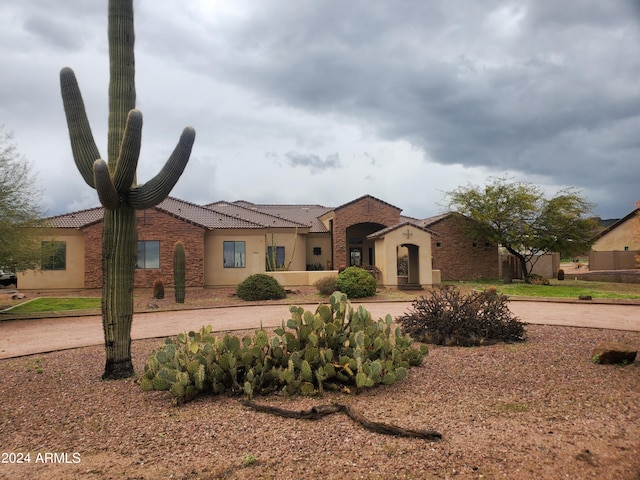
(20, 209)
(519, 217)
(115, 181)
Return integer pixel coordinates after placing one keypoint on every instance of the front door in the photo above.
(356, 257)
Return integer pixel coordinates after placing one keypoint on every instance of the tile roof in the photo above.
(77, 219)
(362, 198)
(256, 215)
(239, 214)
(429, 221)
(384, 231)
(202, 216)
(214, 215)
(617, 223)
(303, 214)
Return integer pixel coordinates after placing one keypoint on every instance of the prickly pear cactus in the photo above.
(115, 181)
(334, 348)
(178, 271)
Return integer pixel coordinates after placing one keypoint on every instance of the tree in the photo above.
(517, 216)
(115, 181)
(20, 209)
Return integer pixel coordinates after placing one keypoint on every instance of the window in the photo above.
(234, 254)
(438, 244)
(317, 251)
(626, 248)
(54, 255)
(277, 258)
(148, 254)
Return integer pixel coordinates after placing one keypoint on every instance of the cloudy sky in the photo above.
(323, 101)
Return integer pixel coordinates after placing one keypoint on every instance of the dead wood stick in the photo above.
(389, 429)
(316, 412)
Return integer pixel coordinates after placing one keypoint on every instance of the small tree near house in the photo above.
(519, 217)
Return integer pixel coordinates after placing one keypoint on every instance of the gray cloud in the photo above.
(313, 162)
(541, 89)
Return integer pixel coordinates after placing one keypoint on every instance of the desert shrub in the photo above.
(326, 285)
(535, 279)
(317, 266)
(260, 286)
(449, 318)
(334, 348)
(356, 282)
(158, 289)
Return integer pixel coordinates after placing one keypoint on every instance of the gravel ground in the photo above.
(539, 409)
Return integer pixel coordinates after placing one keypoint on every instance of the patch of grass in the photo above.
(559, 289)
(35, 366)
(513, 407)
(54, 304)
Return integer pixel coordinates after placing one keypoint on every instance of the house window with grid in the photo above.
(54, 255)
(148, 254)
(234, 254)
(275, 258)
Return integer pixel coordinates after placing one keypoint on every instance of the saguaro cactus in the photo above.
(115, 181)
(178, 271)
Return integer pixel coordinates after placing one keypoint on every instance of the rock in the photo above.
(585, 297)
(613, 352)
(153, 306)
(18, 296)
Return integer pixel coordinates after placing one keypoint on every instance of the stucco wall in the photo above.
(71, 277)
(297, 279)
(323, 242)
(387, 255)
(624, 235)
(214, 272)
(295, 247)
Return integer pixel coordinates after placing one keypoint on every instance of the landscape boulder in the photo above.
(613, 352)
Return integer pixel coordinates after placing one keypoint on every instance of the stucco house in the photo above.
(616, 247)
(298, 244)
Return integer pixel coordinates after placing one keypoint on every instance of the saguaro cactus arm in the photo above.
(107, 193)
(157, 189)
(125, 171)
(83, 146)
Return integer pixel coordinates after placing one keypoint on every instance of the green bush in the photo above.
(260, 287)
(356, 282)
(326, 285)
(449, 318)
(334, 348)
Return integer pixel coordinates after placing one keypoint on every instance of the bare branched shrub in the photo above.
(450, 318)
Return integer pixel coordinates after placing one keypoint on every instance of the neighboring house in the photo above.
(298, 244)
(616, 247)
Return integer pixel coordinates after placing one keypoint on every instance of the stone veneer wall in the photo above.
(152, 225)
(361, 211)
(457, 258)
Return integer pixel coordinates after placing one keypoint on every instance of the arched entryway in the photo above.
(408, 262)
(403, 255)
(360, 250)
